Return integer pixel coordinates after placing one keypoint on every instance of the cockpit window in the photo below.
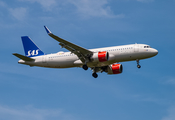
(147, 47)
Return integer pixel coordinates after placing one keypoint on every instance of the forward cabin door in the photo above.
(136, 48)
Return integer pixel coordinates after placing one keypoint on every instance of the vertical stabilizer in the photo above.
(30, 49)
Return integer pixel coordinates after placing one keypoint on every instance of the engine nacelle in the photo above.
(100, 57)
(115, 69)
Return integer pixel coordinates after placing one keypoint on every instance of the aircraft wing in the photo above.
(82, 53)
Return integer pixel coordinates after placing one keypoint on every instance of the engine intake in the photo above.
(115, 69)
(100, 57)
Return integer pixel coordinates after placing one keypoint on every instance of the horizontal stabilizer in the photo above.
(23, 57)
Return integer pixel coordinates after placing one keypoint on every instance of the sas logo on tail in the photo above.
(32, 52)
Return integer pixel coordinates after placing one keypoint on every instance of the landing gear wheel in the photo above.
(95, 75)
(138, 66)
(85, 67)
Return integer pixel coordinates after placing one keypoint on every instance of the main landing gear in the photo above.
(95, 75)
(138, 63)
(85, 67)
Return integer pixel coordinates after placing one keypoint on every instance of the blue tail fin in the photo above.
(30, 49)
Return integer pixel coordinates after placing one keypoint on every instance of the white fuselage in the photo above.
(116, 54)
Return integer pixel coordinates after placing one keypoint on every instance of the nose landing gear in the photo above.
(95, 75)
(138, 66)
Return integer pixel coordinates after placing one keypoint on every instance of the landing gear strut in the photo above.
(95, 75)
(85, 67)
(138, 63)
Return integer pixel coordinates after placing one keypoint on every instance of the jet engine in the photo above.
(115, 69)
(100, 56)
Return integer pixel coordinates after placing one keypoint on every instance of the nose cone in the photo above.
(154, 52)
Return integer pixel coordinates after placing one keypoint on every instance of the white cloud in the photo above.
(171, 114)
(84, 8)
(91, 8)
(171, 81)
(2, 4)
(147, 98)
(47, 4)
(18, 13)
(31, 113)
(145, 1)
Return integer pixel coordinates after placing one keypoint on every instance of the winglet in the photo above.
(47, 30)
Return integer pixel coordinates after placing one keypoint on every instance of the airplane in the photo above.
(99, 60)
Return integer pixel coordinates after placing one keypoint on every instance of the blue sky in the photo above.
(73, 94)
